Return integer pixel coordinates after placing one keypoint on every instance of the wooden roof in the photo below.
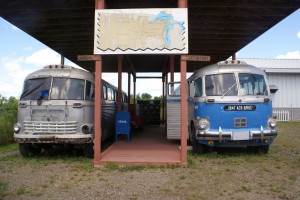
(217, 28)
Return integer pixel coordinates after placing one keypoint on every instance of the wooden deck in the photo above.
(147, 147)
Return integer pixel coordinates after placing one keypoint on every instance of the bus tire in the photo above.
(88, 150)
(262, 149)
(197, 148)
(27, 150)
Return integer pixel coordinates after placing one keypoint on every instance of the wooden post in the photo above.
(129, 85)
(120, 58)
(99, 4)
(134, 89)
(163, 100)
(183, 111)
(183, 66)
(172, 68)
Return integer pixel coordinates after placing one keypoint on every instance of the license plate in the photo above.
(241, 135)
(239, 107)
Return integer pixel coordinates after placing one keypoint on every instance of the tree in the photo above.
(146, 96)
(158, 98)
(8, 117)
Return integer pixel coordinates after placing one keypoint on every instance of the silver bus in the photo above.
(56, 108)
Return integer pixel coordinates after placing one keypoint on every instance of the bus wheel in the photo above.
(28, 150)
(88, 150)
(262, 149)
(197, 148)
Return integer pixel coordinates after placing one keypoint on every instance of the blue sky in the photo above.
(20, 54)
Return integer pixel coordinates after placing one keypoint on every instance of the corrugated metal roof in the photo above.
(275, 65)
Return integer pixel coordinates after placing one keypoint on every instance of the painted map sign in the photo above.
(141, 31)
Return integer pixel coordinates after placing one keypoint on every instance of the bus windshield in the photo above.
(66, 88)
(221, 85)
(33, 88)
(252, 84)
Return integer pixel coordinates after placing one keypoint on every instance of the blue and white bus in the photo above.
(229, 105)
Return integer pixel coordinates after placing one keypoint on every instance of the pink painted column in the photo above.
(163, 100)
(183, 64)
(183, 112)
(172, 68)
(129, 85)
(120, 58)
(99, 4)
(134, 89)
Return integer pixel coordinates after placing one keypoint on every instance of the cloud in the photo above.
(290, 55)
(12, 76)
(15, 69)
(43, 57)
(298, 34)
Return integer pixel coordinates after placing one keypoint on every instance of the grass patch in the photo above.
(22, 190)
(3, 188)
(292, 178)
(83, 165)
(245, 189)
(65, 186)
(283, 124)
(111, 166)
(275, 189)
(191, 161)
(8, 147)
(132, 168)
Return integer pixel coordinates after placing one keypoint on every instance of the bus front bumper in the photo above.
(237, 135)
(54, 138)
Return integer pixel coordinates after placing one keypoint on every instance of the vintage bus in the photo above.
(229, 105)
(56, 108)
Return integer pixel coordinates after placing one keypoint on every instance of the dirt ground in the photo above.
(229, 175)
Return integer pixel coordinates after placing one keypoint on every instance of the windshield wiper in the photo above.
(262, 94)
(228, 90)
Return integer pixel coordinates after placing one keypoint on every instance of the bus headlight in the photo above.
(86, 129)
(272, 123)
(203, 124)
(17, 128)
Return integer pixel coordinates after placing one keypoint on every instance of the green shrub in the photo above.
(8, 117)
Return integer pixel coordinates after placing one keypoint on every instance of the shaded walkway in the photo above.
(149, 147)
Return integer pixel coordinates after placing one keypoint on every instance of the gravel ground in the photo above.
(211, 176)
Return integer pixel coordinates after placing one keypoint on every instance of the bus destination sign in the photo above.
(239, 107)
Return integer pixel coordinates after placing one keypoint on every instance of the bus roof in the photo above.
(228, 67)
(61, 71)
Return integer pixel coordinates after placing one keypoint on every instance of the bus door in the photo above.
(173, 109)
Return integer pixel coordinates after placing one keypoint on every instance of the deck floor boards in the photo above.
(147, 147)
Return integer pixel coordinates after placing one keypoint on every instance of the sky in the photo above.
(21, 54)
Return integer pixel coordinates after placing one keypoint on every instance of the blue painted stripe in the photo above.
(177, 100)
(173, 100)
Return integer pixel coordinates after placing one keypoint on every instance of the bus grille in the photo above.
(240, 122)
(38, 127)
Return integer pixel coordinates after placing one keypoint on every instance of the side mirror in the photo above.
(273, 89)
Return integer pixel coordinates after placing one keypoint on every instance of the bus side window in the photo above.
(174, 89)
(113, 97)
(104, 92)
(198, 87)
(125, 98)
(109, 93)
(89, 91)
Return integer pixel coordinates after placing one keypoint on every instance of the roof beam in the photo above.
(131, 67)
